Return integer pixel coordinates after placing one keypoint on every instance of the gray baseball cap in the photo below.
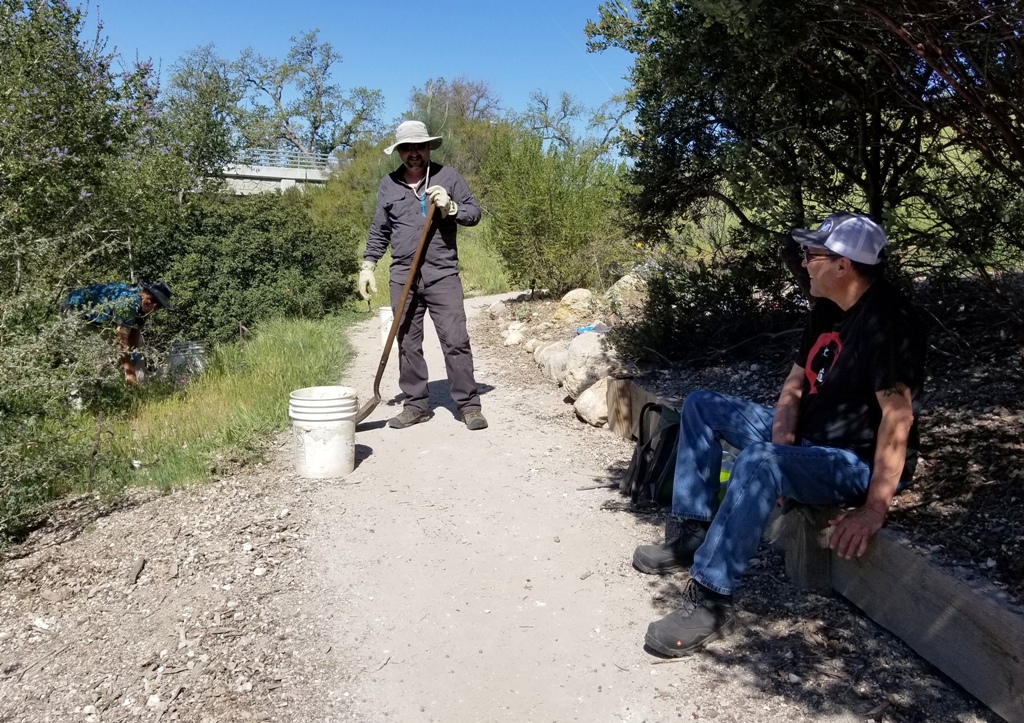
(852, 235)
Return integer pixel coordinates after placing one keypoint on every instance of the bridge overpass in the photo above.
(265, 170)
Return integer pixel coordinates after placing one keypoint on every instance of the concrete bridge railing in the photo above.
(265, 170)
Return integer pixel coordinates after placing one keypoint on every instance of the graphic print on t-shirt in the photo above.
(822, 357)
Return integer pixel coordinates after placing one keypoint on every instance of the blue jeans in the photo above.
(761, 474)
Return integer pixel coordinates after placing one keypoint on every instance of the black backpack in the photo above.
(648, 478)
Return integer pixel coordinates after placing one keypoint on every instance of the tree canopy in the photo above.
(295, 103)
(788, 110)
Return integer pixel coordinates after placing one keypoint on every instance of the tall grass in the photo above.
(224, 414)
(482, 272)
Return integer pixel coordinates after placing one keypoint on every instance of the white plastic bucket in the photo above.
(324, 430)
(387, 318)
(186, 359)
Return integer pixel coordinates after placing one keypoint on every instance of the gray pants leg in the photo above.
(445, 300)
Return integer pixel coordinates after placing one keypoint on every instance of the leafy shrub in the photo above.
(54, 384)
(713, 306)
(552, 213)
(237, 261)
(68, 123)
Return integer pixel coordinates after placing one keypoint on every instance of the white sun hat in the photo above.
(413, 131)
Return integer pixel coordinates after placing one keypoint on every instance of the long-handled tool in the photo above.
(414, 270)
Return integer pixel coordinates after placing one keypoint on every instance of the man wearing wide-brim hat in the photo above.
(402, 201)
(125, 307)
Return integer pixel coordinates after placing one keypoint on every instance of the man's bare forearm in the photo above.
(855, 528)
(891, 446)
(787, 409)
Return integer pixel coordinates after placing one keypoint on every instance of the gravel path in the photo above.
(453, 576)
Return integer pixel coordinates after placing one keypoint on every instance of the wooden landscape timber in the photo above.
(964, 630)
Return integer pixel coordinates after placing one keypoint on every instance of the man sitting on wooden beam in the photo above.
(844, 431)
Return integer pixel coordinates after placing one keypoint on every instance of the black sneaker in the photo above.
(675, 555)
(705, 616)
(407, 418)
(474, 419)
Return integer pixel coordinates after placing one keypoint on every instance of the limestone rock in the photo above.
(497, 310)
(553, 359)
(578, 299)
(567, 313)
(587, 345)
(543, 346)
(577, 379)
(589, 360)
(532, 344)
(513, 338)
(574, 305)
(592, 404)
(628, 295)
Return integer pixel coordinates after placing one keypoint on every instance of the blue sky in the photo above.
(389, 45)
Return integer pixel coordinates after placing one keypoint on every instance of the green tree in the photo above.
(460, 100)
(570, 123)
(200, 110)
(61, 124)
(550, 123)
(786, 111)
(294, 103)
(552, 213)
(972, 51)
(970, 81)
(463, 112)
(764, 116)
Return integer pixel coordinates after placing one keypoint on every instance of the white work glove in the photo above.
(367, 282)
(442, 200)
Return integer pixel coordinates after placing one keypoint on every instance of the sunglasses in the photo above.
(808, 256)
(412, 147)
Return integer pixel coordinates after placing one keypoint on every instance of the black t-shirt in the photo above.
(849, 356)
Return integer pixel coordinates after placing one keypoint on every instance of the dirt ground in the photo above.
(453, 576)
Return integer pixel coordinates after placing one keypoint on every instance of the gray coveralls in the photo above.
(398, 221)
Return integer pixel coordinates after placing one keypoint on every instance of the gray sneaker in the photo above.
(705, 616)
(408, 417)
(474, 419)
(675, 555)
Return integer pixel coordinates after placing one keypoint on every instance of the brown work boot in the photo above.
(408, 417)
(474, 419)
